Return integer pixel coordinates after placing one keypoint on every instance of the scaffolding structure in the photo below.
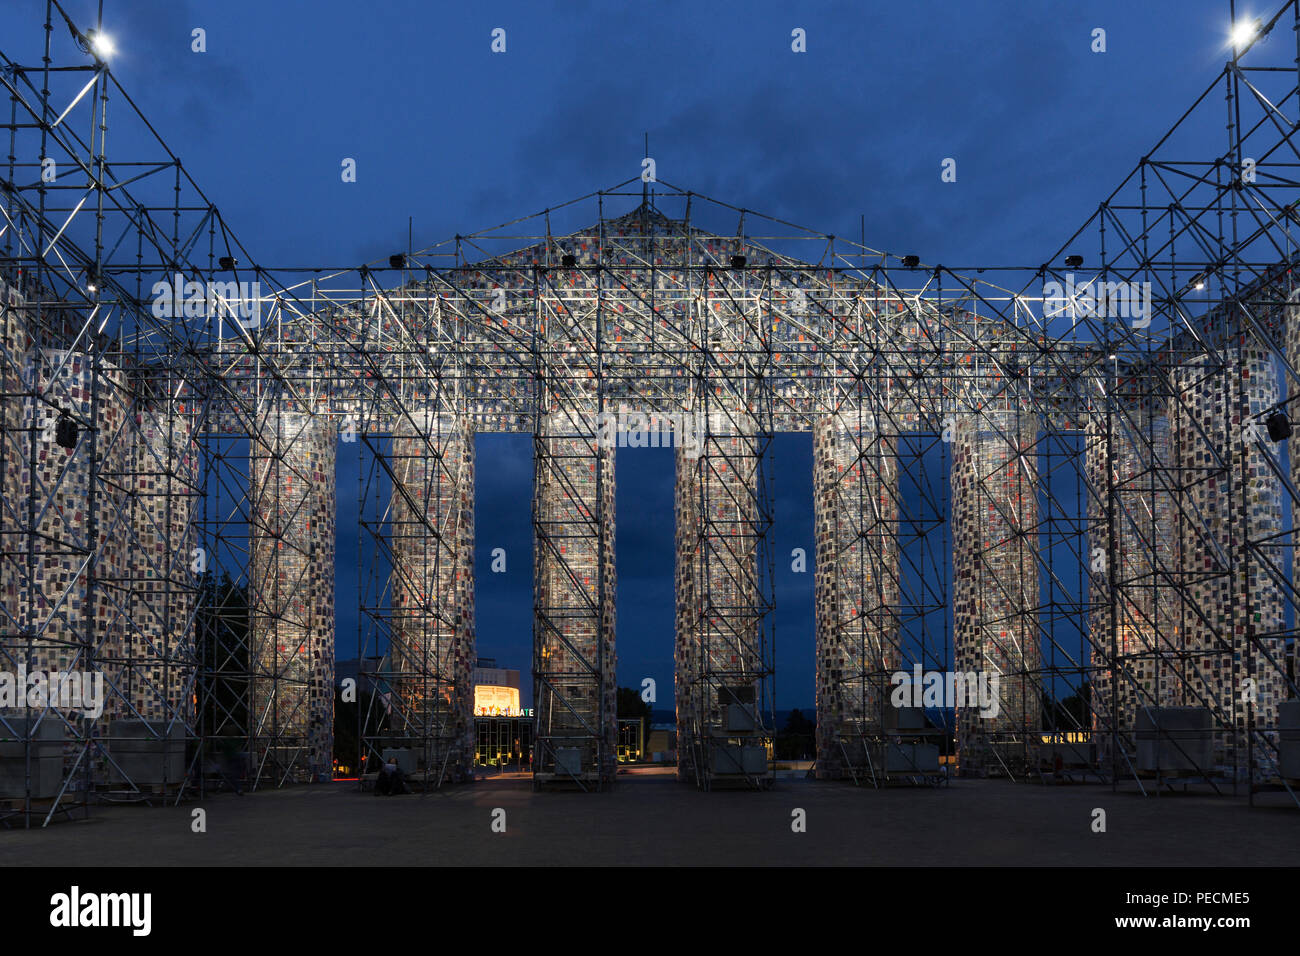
(416, 600)
(291, 598)
(1079, 494)
(723, 662)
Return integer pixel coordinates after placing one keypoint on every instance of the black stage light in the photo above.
(911, 262)
(226, 263)
(65, 432)
(738, 262)
(1073, 262)
(397, 262)
(568, 261)
(1279, 426)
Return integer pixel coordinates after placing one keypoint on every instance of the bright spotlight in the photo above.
(1244, 32)
(102, 45)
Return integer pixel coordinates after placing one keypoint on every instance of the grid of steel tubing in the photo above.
(1084, 503)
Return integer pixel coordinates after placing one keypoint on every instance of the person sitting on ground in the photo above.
(384, 780)
(395, 780)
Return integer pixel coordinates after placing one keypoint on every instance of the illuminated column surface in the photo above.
(1134, 628)
(1210, 435)
(719, 655)
(995, 584)
(432, 534)
(574, 587)
(65, 549)
(157, 650)
(291, 654)
(855, 483)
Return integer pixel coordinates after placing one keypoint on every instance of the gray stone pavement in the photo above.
(652, 819)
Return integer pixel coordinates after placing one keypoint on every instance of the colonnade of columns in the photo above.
(1189, 618)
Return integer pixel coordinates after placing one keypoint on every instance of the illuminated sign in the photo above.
(1064, 737)
(492, 700)
(506, 712)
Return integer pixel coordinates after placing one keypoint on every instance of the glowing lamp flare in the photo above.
(1245, 31)
(101, 44)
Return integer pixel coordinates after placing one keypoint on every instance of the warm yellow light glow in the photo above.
(492, 700)
(1067, 737)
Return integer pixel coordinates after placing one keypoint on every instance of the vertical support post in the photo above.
(855, 484)
(574, 588)
(723, 663)
(995, 593)
(432, 586)
(291, 653)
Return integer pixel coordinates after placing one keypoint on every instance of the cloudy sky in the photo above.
(454, 138)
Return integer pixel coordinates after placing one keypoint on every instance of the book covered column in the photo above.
(64, 554)
(150, 665)
(723, 669)
(1135, 615)
(1229, 534)
(855, 484)
(432, 582)
(574, 586)
(291, 654)
(995, 586)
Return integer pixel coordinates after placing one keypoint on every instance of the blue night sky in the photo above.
(458, 138)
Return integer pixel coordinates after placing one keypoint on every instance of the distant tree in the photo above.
(1070, 713)
(630, 705)
(798, 738)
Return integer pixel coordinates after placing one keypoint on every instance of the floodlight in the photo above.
(101, 44)
(1246, 31)
(65, 432)
(1279, 426)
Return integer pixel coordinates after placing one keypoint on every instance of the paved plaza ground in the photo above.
(651, 819)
